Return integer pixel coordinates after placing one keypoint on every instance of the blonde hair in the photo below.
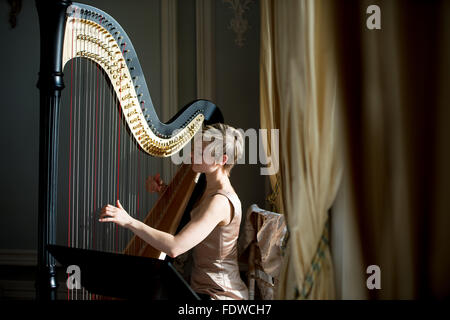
(227, 138)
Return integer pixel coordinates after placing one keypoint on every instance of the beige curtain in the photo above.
(394, 83)
(299, 97)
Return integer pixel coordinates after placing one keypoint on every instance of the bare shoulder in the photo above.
(225, 207)
(218, 202)
(216, 207)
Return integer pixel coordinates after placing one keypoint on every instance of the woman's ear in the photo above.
(224, 159)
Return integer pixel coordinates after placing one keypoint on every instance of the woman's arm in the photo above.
(214, 211)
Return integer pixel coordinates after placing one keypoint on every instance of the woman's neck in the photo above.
(216, 180)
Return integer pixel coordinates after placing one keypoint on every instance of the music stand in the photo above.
(125, 276)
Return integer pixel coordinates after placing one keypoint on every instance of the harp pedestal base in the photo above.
(46, 284)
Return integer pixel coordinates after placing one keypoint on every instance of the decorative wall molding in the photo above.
(26, 290)
(17, 290)
(22, 286)
(12, 288)
(206, 49)
(239, 24)
(18, 257)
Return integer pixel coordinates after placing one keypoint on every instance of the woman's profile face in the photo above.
(202, 158)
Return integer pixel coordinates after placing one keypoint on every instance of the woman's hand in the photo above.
(155, 184)
(118, 215)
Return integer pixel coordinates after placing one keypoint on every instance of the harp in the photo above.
(100, 138)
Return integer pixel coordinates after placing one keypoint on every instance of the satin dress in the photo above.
(215, 270)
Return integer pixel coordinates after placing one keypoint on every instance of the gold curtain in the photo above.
(394, 84)
(299, 97)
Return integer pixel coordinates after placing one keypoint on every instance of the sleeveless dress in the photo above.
(215, 270)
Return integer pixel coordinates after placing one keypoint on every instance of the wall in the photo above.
(237, 91)
(186, 36)
(19, 129)
(236, 79)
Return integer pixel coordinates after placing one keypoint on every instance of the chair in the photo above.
(263, 238)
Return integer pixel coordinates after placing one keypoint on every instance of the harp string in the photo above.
(86, 118)
(102, 141)
(94, 200)
(96, 158)
(119, 118)
(91, 191)
(71, 190)
(76, 160)
(70, 153)
(92, 220)
(87, 157)
(86, 146)
(125, 186)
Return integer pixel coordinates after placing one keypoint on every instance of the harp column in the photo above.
(50, 83)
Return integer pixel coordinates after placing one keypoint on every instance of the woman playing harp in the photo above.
(215, 220)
